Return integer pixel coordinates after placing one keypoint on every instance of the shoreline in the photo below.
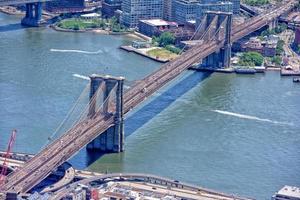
(10, 10)
(99, 31)
(137, 51)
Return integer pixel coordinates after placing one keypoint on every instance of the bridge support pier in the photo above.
(112, 140)
(273, 24)
(33, 15)
(220, 59)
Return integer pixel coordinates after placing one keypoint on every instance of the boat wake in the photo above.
(81, 76)
(76, 51)
(251, 117)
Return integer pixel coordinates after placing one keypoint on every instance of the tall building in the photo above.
(167, 12)
(218, 6)
(110, 6)
(236, 4)
(184, 10)
(135, 10)
(190, 10)
(297, 36)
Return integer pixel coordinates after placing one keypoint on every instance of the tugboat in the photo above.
(296, 80)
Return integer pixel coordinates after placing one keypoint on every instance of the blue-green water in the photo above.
(236, 134)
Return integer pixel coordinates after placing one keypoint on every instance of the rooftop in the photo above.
(158, 22)
(91, 15)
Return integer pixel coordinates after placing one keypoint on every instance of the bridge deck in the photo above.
(16, 2)
(81, 134)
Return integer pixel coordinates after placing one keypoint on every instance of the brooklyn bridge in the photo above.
(100, 126)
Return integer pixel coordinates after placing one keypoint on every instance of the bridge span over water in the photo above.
(33, 16)
(82, 133)
(17, 2)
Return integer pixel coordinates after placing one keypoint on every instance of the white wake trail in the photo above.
(251, 117)
(81, 76)
(76, 51)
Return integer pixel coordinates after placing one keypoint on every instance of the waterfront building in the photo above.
(184, 10)
(217, 6)
(297, 36)
(287, 192)
(135, 10)
(266, 47)
(151, 27)
(109, 7)
(236, 5)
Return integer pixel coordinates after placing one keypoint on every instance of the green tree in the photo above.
(251, 58)
(279, 47)
(173, 49)
(256, 2)
(165, 39)
(76, 27)
(277, 60)
(280, 28)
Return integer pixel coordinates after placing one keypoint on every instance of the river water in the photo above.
(236, 134)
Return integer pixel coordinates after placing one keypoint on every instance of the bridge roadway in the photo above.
(16, 2)
(81, 134)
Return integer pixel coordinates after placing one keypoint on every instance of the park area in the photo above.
(161, 53)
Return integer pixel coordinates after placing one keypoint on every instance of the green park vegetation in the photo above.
(256, 2)
(279, 29)
(161, 53)
(251, 58)
(84, 24)
(279, 47)
(277, 60)
(167, 41)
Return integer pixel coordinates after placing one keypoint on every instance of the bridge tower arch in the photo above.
(112, 140)
(217, 26)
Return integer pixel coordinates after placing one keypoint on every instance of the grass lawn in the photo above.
(162, 54)
(82, 24)
(79, 24)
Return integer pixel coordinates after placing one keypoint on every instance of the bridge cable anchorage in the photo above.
(83, 94)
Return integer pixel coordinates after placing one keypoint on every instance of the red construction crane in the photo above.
(6, 156)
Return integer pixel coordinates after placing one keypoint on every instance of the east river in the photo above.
(236, 134)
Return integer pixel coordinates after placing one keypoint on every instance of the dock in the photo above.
(284, 72)
(137, 51)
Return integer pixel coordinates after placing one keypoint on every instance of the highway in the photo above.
(62, 149)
